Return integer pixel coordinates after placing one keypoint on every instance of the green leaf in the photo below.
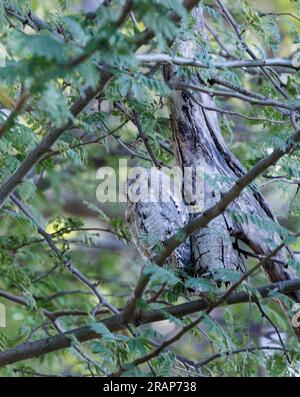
(161, 274)
(102, 330)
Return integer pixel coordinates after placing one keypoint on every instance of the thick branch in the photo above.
(243, 63)
(115, 323)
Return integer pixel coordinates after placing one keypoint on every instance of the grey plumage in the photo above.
(158, 217)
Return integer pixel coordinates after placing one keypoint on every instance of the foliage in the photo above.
(53, 58)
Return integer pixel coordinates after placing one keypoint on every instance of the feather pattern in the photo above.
(157, 218)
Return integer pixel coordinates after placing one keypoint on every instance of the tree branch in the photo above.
(243, 63)
(233, 94)
(233, 352)
(38, 348)
(14, 113)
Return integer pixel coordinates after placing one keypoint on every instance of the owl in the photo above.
(154, 213)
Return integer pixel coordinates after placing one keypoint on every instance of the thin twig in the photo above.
(237, 351)
(66, 261)
(15, 112)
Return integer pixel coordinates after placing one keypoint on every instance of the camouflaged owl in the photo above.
(155, 212)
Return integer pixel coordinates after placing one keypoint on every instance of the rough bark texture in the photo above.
(198, 142)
